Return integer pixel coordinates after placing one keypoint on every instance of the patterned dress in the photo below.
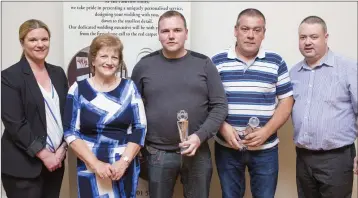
(106, 122)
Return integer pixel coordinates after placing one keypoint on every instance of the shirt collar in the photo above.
(327, 60)
(232, 53)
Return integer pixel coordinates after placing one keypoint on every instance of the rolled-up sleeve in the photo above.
(14, 119)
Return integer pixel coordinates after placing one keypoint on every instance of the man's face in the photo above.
(172, 34)
(249, 34)
(312, 41)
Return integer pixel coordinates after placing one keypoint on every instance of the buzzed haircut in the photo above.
(250, 12)
(315, 20)
(172, 13)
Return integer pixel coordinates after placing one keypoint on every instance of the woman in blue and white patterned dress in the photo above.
(105, 125)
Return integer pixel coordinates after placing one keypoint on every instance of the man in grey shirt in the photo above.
(324, 115)
(170, 80)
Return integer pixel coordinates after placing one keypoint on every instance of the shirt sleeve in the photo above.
(216, 61)
(71, 118)
(283, 85)
(139, 121)
(352, 84)
(218, 106)
(137, 78)
(351, 77)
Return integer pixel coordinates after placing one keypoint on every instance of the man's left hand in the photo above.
(191, 145)
(256, 138)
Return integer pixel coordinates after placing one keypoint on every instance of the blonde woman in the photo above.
(105, 124)
(32, 102)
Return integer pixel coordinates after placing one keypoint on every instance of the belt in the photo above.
(151, 149)
(325, 151)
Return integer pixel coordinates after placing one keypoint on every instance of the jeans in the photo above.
(165, 166)
(262, 166)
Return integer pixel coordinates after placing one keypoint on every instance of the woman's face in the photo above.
(36, 44)
(106, 62)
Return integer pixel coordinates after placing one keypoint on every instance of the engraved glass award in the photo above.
(183, 125)
(254, 122)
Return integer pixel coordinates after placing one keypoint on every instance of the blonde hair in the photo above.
(107, 40)
(29, 25)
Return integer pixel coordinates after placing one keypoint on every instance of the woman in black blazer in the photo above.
(33, 94)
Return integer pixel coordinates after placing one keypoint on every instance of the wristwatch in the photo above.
(126, 159)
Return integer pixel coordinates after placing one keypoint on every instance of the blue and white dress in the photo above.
(106, 122)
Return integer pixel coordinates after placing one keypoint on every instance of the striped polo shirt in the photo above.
(252, 89)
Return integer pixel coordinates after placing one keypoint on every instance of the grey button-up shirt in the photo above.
(325, 110)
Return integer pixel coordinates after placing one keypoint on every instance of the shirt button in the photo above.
(310, 85)
(308, 101)
(305, 117)
(312, 71)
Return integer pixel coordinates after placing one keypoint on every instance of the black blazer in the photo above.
(24, 118)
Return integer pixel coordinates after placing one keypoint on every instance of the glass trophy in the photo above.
(254, 122)
(183, 125)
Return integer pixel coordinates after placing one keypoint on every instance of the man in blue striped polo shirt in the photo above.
(324, 115)
(257, 84)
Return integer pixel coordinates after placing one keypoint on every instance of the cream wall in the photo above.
(211, 31)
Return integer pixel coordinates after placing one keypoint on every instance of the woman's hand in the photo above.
(118, 169)
(102, 169)
(61, 153)
(49, 159)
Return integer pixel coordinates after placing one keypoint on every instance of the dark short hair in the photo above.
(250, 12)
(172, 13)
(315, 20)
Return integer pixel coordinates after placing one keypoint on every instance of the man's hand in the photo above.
(191, 145)
(118, 169)
(101, 169)
(230, 135)
(256, 138)
(355, 169)
(49, 159)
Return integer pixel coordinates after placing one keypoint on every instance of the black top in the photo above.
(190, 83)
(24, 117)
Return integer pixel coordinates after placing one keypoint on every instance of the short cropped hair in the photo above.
(250, 12)
(315, 20)
(172, 13)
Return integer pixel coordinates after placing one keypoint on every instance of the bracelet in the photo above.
(65, 146)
